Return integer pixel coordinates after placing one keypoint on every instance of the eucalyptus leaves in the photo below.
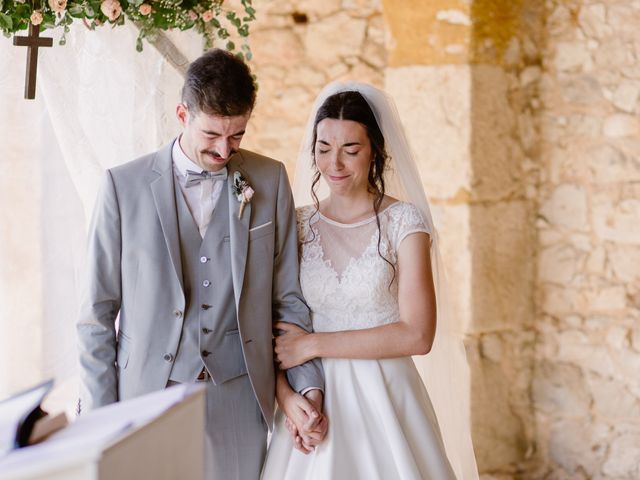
(210, 18)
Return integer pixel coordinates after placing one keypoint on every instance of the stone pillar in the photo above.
(461, 73)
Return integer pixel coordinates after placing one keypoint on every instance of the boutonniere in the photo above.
(242, 190)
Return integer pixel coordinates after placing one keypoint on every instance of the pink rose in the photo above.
(207, 16)
(58, 6)
(144, 9)
(247, 194)
(111, 9)
(36, 17)
(193, 15)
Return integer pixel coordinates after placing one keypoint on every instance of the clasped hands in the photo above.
(305, 421)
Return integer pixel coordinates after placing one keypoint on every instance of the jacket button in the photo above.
(168, 357)
(206, 330)
(177, 313)
(203, 259)
(205, 306)
(206, 283)
(205, 353)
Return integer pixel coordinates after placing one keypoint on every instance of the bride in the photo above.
(366, 273)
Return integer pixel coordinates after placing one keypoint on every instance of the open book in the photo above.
(23, 422)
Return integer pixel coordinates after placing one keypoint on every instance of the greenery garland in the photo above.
(208, 17)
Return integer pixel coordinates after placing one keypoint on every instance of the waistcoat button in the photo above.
(168, 357)
(203, 259)
(177, 313)
(205, 353)
(206, 283)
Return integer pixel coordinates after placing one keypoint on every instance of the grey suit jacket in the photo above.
(134, 272)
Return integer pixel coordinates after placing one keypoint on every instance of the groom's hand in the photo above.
(313, 431)
(305, 422)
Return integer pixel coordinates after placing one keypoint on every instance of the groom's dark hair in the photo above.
(219, 83)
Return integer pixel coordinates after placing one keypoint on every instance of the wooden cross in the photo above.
(32, 42)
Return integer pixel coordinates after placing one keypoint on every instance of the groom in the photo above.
(194, 247)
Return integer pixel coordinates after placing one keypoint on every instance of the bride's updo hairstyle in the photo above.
(351, 105)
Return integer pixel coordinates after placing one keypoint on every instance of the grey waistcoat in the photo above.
(210, 328)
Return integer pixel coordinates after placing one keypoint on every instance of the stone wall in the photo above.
(586, 390)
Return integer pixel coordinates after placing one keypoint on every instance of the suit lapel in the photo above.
(238, 229)
(164, 198)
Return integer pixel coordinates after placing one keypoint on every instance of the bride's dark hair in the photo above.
(351, 105)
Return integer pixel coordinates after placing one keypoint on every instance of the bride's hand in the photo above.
(291, 346)
(304, 420)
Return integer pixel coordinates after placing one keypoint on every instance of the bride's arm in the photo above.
(412, 335)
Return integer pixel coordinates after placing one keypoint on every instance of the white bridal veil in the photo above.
(444, 370)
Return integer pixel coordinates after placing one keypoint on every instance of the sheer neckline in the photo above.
(355, 224)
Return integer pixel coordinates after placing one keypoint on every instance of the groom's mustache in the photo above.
(217, 155)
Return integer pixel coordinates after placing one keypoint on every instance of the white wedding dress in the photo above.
(381, 421)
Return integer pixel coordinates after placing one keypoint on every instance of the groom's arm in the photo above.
(100, 302)
(288, 303)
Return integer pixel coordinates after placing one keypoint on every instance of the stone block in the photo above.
(312, 8)
(560, 390)
(578, 444)
(572, 57)
(567, 207)
(435, 105)
(613, 400)
(593, 22)
(617, 219)
(277, 47)
(499, 438)
(557, 264)
(452, 222)
(502, 265)
(621, 125)
(530, 75)
(581, 90)
(625, 262)
(330, 39)
(614, 53)
(497, 155)
(623, 19)
(584, 125)
(607, 299)
(626, 96)
(622, 460)
(609, 164)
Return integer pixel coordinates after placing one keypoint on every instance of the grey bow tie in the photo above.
(194, 178)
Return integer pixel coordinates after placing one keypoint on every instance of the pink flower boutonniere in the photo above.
(242, 190)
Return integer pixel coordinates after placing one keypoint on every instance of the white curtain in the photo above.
(99, 103)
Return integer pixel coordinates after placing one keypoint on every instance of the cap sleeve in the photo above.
(405, 220)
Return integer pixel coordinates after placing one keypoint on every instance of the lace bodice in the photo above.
(344, 281)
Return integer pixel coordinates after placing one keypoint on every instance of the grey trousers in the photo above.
(236, 435)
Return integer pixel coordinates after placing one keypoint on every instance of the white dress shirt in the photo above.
(202, 198)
